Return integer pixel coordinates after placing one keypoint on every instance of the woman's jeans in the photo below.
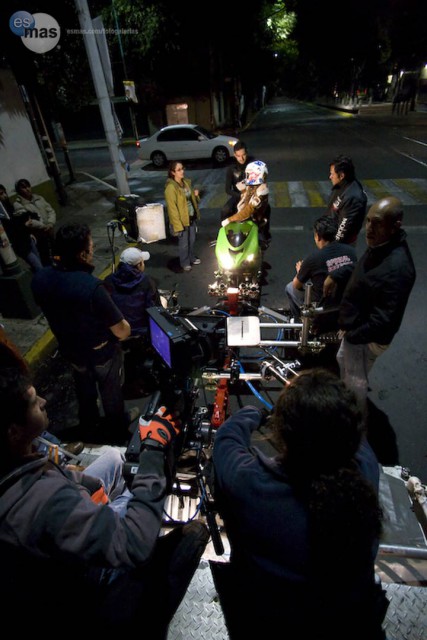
(186, 245)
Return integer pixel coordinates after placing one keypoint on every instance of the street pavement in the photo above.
(92, 201)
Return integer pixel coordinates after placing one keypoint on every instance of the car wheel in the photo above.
(158, 158)
(220, 155)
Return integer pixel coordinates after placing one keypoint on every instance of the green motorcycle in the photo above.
(239, 258)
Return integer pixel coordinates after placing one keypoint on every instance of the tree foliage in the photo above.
(358, 46)
(179, 48)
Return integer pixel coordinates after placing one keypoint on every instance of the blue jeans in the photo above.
(33, 257)
(295, 299)
(108, 468)
(186, 245)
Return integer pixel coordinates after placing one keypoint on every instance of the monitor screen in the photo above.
(160, 342)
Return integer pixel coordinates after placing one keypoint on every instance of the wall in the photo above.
(20, 156)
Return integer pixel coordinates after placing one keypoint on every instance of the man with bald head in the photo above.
(375, 298)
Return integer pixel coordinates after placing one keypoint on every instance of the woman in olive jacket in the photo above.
(183, 212)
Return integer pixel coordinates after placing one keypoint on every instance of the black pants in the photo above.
(68, 595)
(147, 599)
(107, 379)
(255, 606)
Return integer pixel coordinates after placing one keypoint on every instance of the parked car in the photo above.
(185, 142)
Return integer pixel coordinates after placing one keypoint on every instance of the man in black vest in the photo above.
(88, 326)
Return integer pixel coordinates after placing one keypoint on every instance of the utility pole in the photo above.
(104, 100)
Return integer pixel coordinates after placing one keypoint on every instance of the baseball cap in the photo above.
(133, 256)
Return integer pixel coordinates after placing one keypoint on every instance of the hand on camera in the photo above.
(160, 431)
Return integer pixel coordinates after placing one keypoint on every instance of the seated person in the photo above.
(11, 358)
(303, 519)
(133, 290)
(19, 233)
(329, 256)
(83, 542)
(253, 203)
(38, 215)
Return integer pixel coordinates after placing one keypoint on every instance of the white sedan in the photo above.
(185, 142)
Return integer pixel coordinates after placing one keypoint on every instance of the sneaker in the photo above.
(196, 261)
(75, 448)
(187, 268)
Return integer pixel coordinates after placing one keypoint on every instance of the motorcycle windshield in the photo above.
(237, 245)
(236, 238)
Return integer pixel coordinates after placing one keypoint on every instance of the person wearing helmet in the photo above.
(253, 201)
(235, 178)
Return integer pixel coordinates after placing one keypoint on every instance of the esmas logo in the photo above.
(39, 32)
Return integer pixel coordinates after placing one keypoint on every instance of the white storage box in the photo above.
(150, 221)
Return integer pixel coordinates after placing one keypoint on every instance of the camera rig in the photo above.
(203, 362)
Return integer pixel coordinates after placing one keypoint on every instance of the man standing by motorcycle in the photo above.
(348, 201)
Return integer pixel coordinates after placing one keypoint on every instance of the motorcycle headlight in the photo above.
(250, 258)
(227, 262)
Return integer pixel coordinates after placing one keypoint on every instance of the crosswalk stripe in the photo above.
(401, 193)
(311, 193)
(417, 188)
(316, 198)
(280, 194)
(297, 194)
(375, 189)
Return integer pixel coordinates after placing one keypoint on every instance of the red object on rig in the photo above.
(233, 301)
(219, 412)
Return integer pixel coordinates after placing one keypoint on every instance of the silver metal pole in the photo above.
(104, 100)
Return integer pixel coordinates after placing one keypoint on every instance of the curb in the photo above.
(337, 107)
(41, 349)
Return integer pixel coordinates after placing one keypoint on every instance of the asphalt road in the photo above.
(297, 142)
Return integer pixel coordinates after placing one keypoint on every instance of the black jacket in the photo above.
(235, 173)
(348, 204)
(133, 292)
(376, 295)
(80, 312)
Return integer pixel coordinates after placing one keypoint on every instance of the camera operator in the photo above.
(80, 546)
(303, 525)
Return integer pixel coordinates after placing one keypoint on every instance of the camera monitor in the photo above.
(169, 338)
(185, 342)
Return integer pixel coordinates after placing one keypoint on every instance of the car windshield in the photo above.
(205, 132)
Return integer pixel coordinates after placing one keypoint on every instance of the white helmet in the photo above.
(256, 172)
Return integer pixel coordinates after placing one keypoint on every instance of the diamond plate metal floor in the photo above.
(200, 617)
(406, 617)
(199, 614)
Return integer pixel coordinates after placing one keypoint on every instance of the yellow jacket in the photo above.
(176, 204)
